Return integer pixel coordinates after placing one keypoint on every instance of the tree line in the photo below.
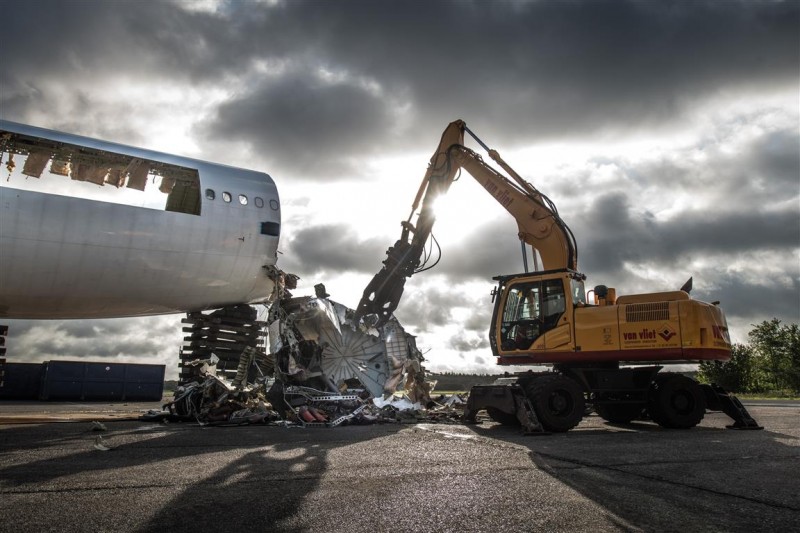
(769, 362)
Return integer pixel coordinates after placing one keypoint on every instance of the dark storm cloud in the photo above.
(462, 344)
(753, 198)
(76, 339)
(765, 171)
(613, 233)
(92, 41)
(64, 60)
(767, 298)
(331, 248)
(753, 210)
(312, 82)
(492, 249)
(309, 125)
(478, 321)
(544, 69)
(775, 159)
(757, 173)
(423, 309)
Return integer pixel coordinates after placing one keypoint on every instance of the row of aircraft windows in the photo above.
(227, 198)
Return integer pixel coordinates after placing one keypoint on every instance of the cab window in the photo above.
(531, 309)
(578, 291)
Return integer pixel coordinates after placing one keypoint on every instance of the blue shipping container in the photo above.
(21, 381)
(95, 381)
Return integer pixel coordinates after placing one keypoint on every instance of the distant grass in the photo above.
(772, 395)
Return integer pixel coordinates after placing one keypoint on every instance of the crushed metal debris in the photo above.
(100, 444)
(324, 368)
(97, 426)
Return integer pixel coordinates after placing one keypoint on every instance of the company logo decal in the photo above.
(666, 332)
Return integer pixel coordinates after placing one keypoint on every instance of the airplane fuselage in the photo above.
(127, 232)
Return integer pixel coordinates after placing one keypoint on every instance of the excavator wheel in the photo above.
(620, 413)
(676, 401)
(502, 417)
(558, 402)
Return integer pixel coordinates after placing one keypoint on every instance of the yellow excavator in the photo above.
(604, 350)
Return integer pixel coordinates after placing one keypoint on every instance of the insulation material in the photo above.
(80, 171)
(10, 164)
(184, 199)
(137, 171)
(97, 175)
(35, 163)
(60, 167)
(115, 177)
(167, 185)
(91, 173)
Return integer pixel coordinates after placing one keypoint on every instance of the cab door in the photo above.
(555, 321)
(533, 316)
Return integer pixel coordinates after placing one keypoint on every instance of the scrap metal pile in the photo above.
(323, 369)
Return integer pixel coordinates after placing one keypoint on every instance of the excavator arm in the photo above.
(537, 220)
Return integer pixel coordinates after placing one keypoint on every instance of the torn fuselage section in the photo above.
(319, 366)
(318, 343)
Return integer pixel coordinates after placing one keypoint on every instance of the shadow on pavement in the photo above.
(217, 478)
(707, 478)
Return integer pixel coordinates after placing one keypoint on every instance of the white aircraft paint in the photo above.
(72, 249)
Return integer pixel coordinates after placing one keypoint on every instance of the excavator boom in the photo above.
(537, 219)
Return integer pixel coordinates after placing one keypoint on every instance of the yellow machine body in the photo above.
(544, 318)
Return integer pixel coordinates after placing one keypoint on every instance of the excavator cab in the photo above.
(531, 311)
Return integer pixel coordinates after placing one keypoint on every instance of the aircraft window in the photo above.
(243, 199)
(226, 196)
(80, 171)
(210, 194)
(274, 204)
(259, 202)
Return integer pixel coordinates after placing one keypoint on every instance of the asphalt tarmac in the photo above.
(424, 477)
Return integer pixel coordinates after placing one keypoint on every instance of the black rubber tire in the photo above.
(558, 402)
(620, 413)
(676, 401)
(502, 417)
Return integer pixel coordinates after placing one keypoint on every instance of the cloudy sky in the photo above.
(667, 133)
